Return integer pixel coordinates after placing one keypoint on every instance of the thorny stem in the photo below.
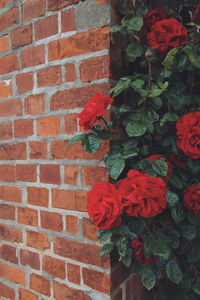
(102, 118)
(150, 74)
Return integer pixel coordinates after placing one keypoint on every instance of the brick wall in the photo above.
(54, 54)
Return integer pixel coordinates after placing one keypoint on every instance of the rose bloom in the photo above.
(167, 34)
(138, 252)
(104, 205)
(151, 18)
(180, 161)
(191, 198)
(170, 167)
(95, 108)
(196, 15)
(188, 134)
(142, 194)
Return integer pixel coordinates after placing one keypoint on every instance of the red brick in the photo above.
(72, 224)
(72, 250)
(89, 231)
(4, 44)
(9, 18)
(27, 216)
(5, 88)
(70, 70)
(76, 97)
(91, 175)
(48, 126)
(60, 150)
(10, 234)
(10, 108)
(38, 196)
(6, 291)
(12, 274)
(95, 68)
(7, 212)
(38, 150)
(71, 123)
(7, 173)
(24, 82)
(102, 2)
(46, 27)
(35, 104)
(33, 56)
(37, 240)
(50, 174)
(71, 174)
(69, 200)
(73, 273)
(8, 64)
(63, 292)
(8, 252)
(3, 3)
(23, 128)
(10, 193)
(51, 221)
(54, 267)
(58, 4)
(26, 173)
(40, 284)
(80, 43)
(6, 131)
(33, 8)
(29, 258)
(49, 76)
(98, 281)
(13, 151)
(21, 36)
(27, 295)
(67, 20)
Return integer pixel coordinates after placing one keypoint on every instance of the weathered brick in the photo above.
(23, 128)
(97, 280)
(26, 173)
(10, 108)
(46, 27)
(89, 231)
(40, 284)
(5, 88)
(7, 212)
(58, 4)
(7, 292)
(33, 56)
(48, 126)
(8, 64)
(8, 252)
(72, 250)
(8, 18)
(33, 8)
(71, 174)
(69, 200)
(2, 4)
(95, 68)
(91, 175)
(37, 240)
(29, 258)
(70, 71)
(12, 274)
(38, 150)
(27, 216)
(70, 123)
(80, 43)
(67, 20)
(54, 267)
(63, 292)
(49, 76)
(4, 44)
(73, 273)
(6, 131)
(10, 234)
(38, 196)
(13, 151)
(76, 97)
(7, 173)
(50, 174)
(72, 224)
(35, 104)
(24, 82)
(10, 193)
(26, 295)
(51, 221)
(21, 36)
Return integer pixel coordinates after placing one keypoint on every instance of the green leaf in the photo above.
(134, 23)
(194, 254)
(170, 60)
(91, 143)
(115, 28)
(111, 159)
(104, 235)
(189, 232)
(176, 181)
(155, 93)
(117, 168)
(135, 129)
(160, 167)
(161, 249)
(130, 153)
(75, 139)
(134, 49)
(148, 279)
(172, 199)
(173, 271)
(171, 117)
(178, 213)
(122, 85)
(193, 57)
(137, 84)
(106, 249)
(127, 259)
(193, 219)
(104, 134)
(196, 288)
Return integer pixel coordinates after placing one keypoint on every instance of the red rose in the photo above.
(196, 15)
(142, 194)
(170, 167)
(188, 134)
(138, 252)
(191, 198)
(95, 108)
(151, 18)
(167, 34)
(180, 161)
(104, 205)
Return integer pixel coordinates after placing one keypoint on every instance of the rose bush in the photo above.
(191, 198)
